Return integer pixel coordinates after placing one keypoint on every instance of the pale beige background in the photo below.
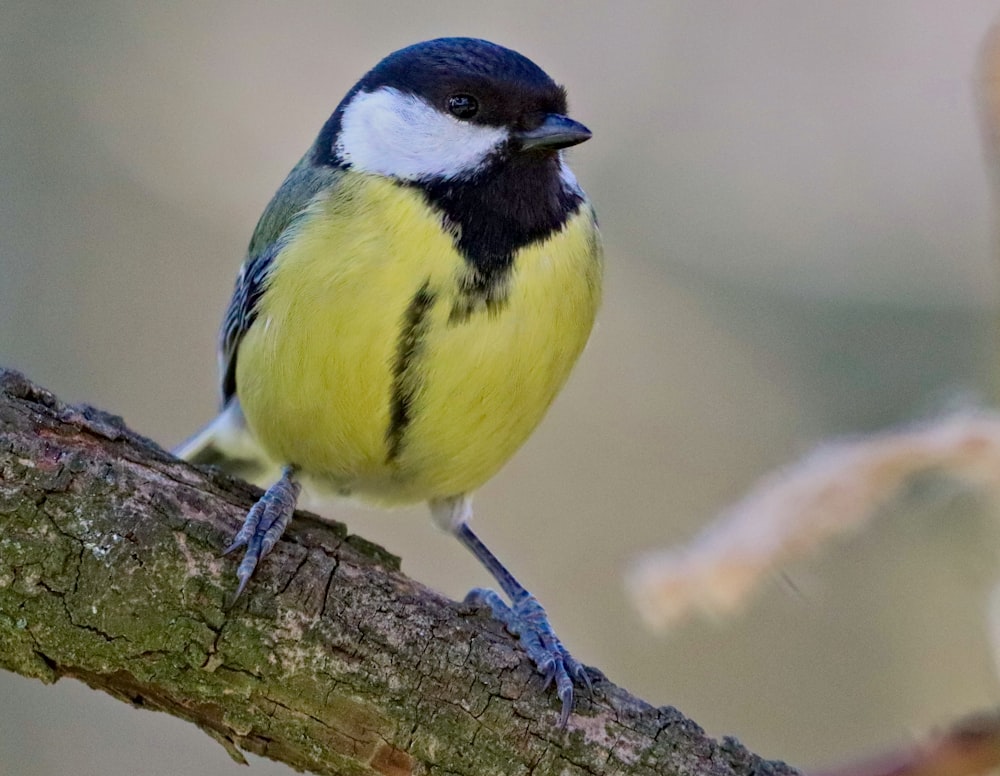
(800, 243)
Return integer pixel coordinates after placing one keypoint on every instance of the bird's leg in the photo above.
(524, 616)
(264, 524)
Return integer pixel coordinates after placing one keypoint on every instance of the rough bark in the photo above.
(334, 663)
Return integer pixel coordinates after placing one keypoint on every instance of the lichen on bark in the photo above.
(335, 662)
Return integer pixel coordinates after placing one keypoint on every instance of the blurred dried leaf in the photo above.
(836, 489)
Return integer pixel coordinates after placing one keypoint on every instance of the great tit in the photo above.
(412, 300)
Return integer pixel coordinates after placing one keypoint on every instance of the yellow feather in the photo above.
(316, 369)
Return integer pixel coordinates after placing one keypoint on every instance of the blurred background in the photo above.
(800, 239)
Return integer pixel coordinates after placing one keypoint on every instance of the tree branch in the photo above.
(334, 662)
(968, 748)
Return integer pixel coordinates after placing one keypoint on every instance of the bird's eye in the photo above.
(463, 106)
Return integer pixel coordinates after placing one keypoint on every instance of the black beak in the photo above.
(555, 132)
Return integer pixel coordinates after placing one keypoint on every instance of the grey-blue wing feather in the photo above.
(272, 232)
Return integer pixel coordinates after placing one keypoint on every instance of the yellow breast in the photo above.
(365, 368)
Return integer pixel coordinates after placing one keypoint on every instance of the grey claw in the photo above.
(527, 620)
(264, 524)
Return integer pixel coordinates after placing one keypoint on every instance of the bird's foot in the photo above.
(264, 524)
(527, 620)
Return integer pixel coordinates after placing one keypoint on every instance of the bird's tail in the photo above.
(226, 442)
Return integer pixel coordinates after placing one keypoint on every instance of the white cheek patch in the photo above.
(400, 135)
(567, 176)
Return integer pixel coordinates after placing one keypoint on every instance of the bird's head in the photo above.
(449, 109)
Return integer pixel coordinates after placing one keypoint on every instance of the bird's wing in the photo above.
(272, 232)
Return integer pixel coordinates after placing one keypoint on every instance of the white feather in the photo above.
(400, 135)
(567, 176)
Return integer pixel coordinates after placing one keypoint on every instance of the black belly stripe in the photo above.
(519, 200)
(405, 380)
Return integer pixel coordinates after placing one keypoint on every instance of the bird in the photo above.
(412, 300)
